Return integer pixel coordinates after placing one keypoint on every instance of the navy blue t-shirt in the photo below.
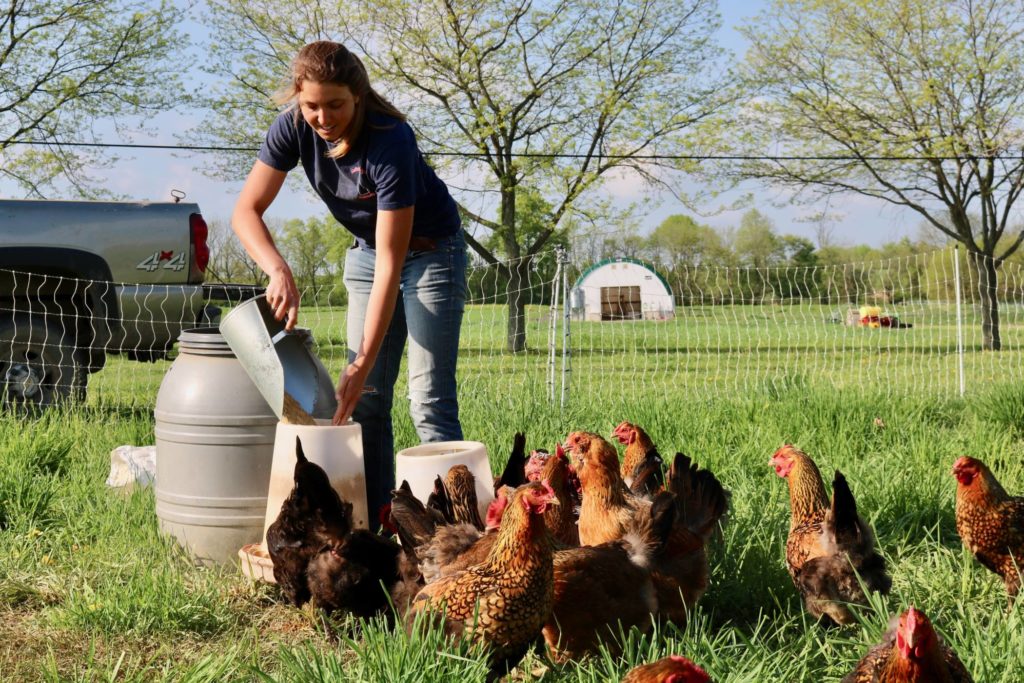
(383, 170)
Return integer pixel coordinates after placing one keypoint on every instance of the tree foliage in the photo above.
(915, 102)
(66, 65)
(512, 94)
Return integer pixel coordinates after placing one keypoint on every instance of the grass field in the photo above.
(89, 590)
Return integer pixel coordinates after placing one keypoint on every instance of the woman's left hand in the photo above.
(350, 388)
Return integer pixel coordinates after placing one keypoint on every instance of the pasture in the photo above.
(89, 590)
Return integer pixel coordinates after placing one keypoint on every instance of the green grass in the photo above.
(90, 590)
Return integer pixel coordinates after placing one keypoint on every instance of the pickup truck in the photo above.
(81, 279)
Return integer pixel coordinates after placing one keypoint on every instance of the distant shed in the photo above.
(622, 289)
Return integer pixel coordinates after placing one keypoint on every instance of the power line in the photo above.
(531, 155)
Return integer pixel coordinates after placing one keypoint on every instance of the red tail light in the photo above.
(200, 249)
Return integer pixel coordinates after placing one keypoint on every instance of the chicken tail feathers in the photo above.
(514, 474)
(844, 520)
(300, 455)
(648, 477)
(702, 500)
(440, 504)
(414, 523)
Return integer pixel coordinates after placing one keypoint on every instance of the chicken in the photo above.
(409, 519)
(828, 546)
(364, 574)
(460, 485)
(514, 473)
(602, 589)
(608, 508)
(312, 516)
(561, 519)
(641, 462)
(693, 506)
(910, 652)
(990, 522)
(672, 669)
(504, 601)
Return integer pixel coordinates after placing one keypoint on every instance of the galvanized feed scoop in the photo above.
(278, 361)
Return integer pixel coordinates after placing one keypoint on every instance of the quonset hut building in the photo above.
(621, 289)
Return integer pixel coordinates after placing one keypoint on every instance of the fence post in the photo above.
(563, 259)
(959, 318)
(556, 286)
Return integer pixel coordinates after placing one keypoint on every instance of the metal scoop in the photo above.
(278, 361)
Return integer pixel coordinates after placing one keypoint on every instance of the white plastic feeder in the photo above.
(420, 465)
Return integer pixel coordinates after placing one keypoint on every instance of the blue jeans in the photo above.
(431, 299)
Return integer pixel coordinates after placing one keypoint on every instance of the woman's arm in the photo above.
(392, 235)
(260, 189)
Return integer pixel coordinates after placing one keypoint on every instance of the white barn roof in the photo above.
(622, 289)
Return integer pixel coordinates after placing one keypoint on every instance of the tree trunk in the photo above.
(986, 268)
(518, 277)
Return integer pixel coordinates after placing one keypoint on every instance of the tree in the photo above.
(916, 102)
(315, 250)
(681, 240)
(550, 96)
(756, 243)
(68, 64)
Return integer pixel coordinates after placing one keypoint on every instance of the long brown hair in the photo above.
(324, 61)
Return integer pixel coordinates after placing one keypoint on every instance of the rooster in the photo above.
(828, 546)
(504, 601)
(642, 466)
(694, 504)
(672, 669)
(312, 516)
(990, 521)
(911, 652)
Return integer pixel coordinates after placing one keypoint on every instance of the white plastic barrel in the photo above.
(214, 446)
(420, 465)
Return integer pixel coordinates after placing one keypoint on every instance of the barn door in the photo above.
(620, 303)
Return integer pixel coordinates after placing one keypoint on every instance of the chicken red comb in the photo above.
(385, 518)
(559, 451)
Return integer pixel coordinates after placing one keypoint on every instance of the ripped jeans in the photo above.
(431, 299)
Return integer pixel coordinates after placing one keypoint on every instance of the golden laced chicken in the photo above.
(642, 466)
(828, 545)
(910, 652)
(671, 669)
(990, 522)
(694, 504)
(504, 601)
(312, 516)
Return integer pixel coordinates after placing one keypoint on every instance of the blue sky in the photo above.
(151, 174)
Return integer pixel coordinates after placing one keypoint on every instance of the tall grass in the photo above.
(90, 590)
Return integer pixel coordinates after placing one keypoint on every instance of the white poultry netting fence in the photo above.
(617, 326)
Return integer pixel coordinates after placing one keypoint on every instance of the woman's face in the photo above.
(328, 108)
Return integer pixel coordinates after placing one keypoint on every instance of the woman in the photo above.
(406, 274)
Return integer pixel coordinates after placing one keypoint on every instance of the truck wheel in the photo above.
(38, 363)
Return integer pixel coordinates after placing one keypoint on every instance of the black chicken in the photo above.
(312, 517)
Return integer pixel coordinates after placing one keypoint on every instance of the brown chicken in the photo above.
(613, 581)
(990, 522)
(364, 574)
(695, 503)
(561, 519)
(672, 669)
(642, 466)
(504, 601)
(312, 516)
(828, 546)
(911, 652)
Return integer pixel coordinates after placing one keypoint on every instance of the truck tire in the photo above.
(39, 364)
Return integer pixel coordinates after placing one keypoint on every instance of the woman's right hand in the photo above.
(283, 296)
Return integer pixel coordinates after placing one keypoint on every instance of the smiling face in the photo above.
(328, 108)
